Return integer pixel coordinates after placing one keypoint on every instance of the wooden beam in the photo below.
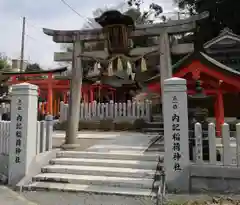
(183, 48)
(176, 49)
(171, 27)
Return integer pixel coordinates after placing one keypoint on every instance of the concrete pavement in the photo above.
(63, 198)
(9, 197)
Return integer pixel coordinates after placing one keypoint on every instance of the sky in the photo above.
(53, 14)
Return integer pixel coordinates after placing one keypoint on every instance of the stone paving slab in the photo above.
(84, 143)
(63, 198)
(9, 197)
(108, 141)
(98, 134)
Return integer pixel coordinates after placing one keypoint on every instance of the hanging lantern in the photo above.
(97, 67)
(133, 76)
(119, 64)
(116, 28)
(143, 65)
(129, 68)
(110, 69)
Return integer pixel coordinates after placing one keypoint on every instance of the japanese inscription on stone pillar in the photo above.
(176, 135)
(18, 134)
(176, 158)
(23, 131)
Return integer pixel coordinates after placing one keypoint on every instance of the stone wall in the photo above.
(213, 178)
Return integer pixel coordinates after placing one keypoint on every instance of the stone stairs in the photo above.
(129, 165)
(114, 172)
(155, 128)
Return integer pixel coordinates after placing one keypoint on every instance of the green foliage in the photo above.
(33, 67)
(144, 17)
(3, 62)
(223, 13)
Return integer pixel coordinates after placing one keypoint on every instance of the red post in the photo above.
(85, 94)
(64, 97)
(50, 95)
(91, 94)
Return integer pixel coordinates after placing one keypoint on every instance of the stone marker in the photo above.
(23, 131)
(175, 114)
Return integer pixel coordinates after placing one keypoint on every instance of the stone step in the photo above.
(158, 114)
(156, 122)
(157, 118)
(154, 125)
(105, 162)
(89, 188)
(154, 134)
(155, 148)
(111, 155)
(156, 130)
(102, 171)
(119, 148)
(141, 183)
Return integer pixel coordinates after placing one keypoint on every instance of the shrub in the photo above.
(60, 126)
(106, 125)
(139, 124)
(88, 125)
(123, 126)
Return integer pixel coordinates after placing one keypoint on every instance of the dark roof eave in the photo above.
(224, 33)
(197, 56)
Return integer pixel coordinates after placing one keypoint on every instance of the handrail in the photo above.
(162, 185)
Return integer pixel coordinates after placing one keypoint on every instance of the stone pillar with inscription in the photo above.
(176, 157)
(23, 130)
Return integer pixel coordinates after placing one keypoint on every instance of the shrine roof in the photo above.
(203, 58)
(224, 34)
(58, 70)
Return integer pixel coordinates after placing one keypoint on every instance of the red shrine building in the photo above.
(54, 86)
(218, 70)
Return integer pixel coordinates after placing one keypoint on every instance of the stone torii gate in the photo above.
(79, 37)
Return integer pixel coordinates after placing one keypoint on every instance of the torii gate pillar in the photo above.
(75, 98)
(165, 61)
